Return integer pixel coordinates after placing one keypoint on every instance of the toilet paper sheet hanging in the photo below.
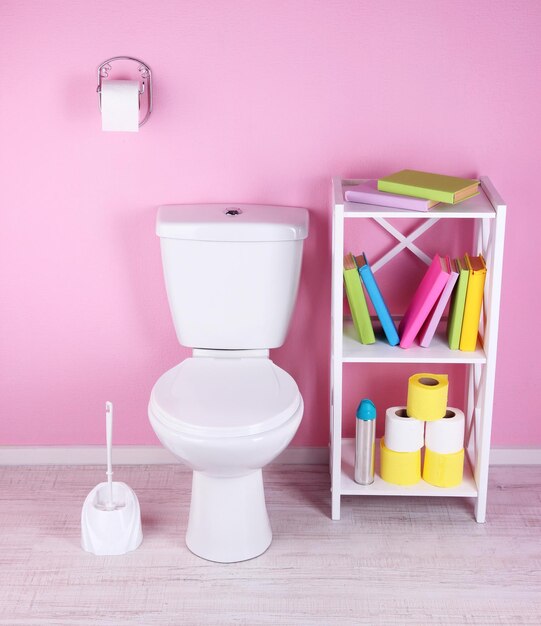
(427, 396)
(120, 105)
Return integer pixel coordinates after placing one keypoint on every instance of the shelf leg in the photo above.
(491, 239)
(335, 513)
(481, 508)
(337, 314)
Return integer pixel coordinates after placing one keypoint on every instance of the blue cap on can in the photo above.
(366, 410)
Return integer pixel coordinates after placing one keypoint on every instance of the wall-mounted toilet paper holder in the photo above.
(144, 87)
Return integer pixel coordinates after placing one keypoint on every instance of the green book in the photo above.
(438, 187)
(357, 301)
(456, 310)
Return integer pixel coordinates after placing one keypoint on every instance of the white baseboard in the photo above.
(129, 455)
(515, 456)
(156, 455)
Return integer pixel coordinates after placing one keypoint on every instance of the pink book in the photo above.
(368, 193)
(433, 319)
(425, 297)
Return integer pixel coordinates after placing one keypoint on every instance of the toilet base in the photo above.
(228, 518)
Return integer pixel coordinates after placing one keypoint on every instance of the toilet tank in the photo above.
(231, 272)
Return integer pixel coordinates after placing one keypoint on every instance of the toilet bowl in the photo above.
(231, 276)
(226, 418)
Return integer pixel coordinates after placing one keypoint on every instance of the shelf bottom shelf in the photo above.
(348, 487)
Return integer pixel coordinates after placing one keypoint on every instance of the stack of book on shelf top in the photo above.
(413, 190)
(458, 281)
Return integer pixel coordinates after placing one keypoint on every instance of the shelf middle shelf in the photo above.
(381, 352)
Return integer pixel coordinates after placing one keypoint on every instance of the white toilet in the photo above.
(231, 275)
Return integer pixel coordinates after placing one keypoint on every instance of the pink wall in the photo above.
(254, 102)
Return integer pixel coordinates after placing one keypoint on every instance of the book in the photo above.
(438, 187)
(357, 301)
(424, 298)
(378, 302)
(474, 300)
(431, 323)
(368, 193)
(458, 299)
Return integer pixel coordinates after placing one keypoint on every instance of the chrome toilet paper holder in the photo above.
(145, 85)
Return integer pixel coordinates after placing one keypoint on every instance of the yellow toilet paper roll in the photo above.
(443, 470)
(427, 396)
(400, 468)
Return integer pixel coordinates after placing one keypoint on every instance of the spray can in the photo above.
(365, 441)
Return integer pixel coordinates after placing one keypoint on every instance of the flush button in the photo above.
(232, 211)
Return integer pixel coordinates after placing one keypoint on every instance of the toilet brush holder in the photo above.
(107, 530)
(111, 517)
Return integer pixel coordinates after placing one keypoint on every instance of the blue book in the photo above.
(377, 300)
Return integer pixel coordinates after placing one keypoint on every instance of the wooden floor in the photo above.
(388, 561)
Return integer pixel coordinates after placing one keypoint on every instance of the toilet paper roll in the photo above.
(399, 468)
(443, 470)
(403, 433)
(120, 105)
(427, 396)
(446, 436)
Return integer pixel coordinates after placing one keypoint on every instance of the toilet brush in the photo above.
(111, 517)
(110, 504)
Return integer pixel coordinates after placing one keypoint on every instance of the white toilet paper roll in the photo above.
(403, 433)
(120, 105)
(446, 436)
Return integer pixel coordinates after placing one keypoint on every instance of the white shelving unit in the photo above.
(488, 210)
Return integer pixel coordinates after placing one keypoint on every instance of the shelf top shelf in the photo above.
(484, 205)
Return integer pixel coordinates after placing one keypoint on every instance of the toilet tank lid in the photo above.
(232, 222)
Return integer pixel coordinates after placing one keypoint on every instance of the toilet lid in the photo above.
(225, 396)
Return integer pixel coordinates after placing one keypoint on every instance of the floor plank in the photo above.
(388, 561)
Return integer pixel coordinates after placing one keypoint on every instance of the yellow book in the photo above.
(474, 302)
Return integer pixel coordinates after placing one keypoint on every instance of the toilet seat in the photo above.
(224, 397)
